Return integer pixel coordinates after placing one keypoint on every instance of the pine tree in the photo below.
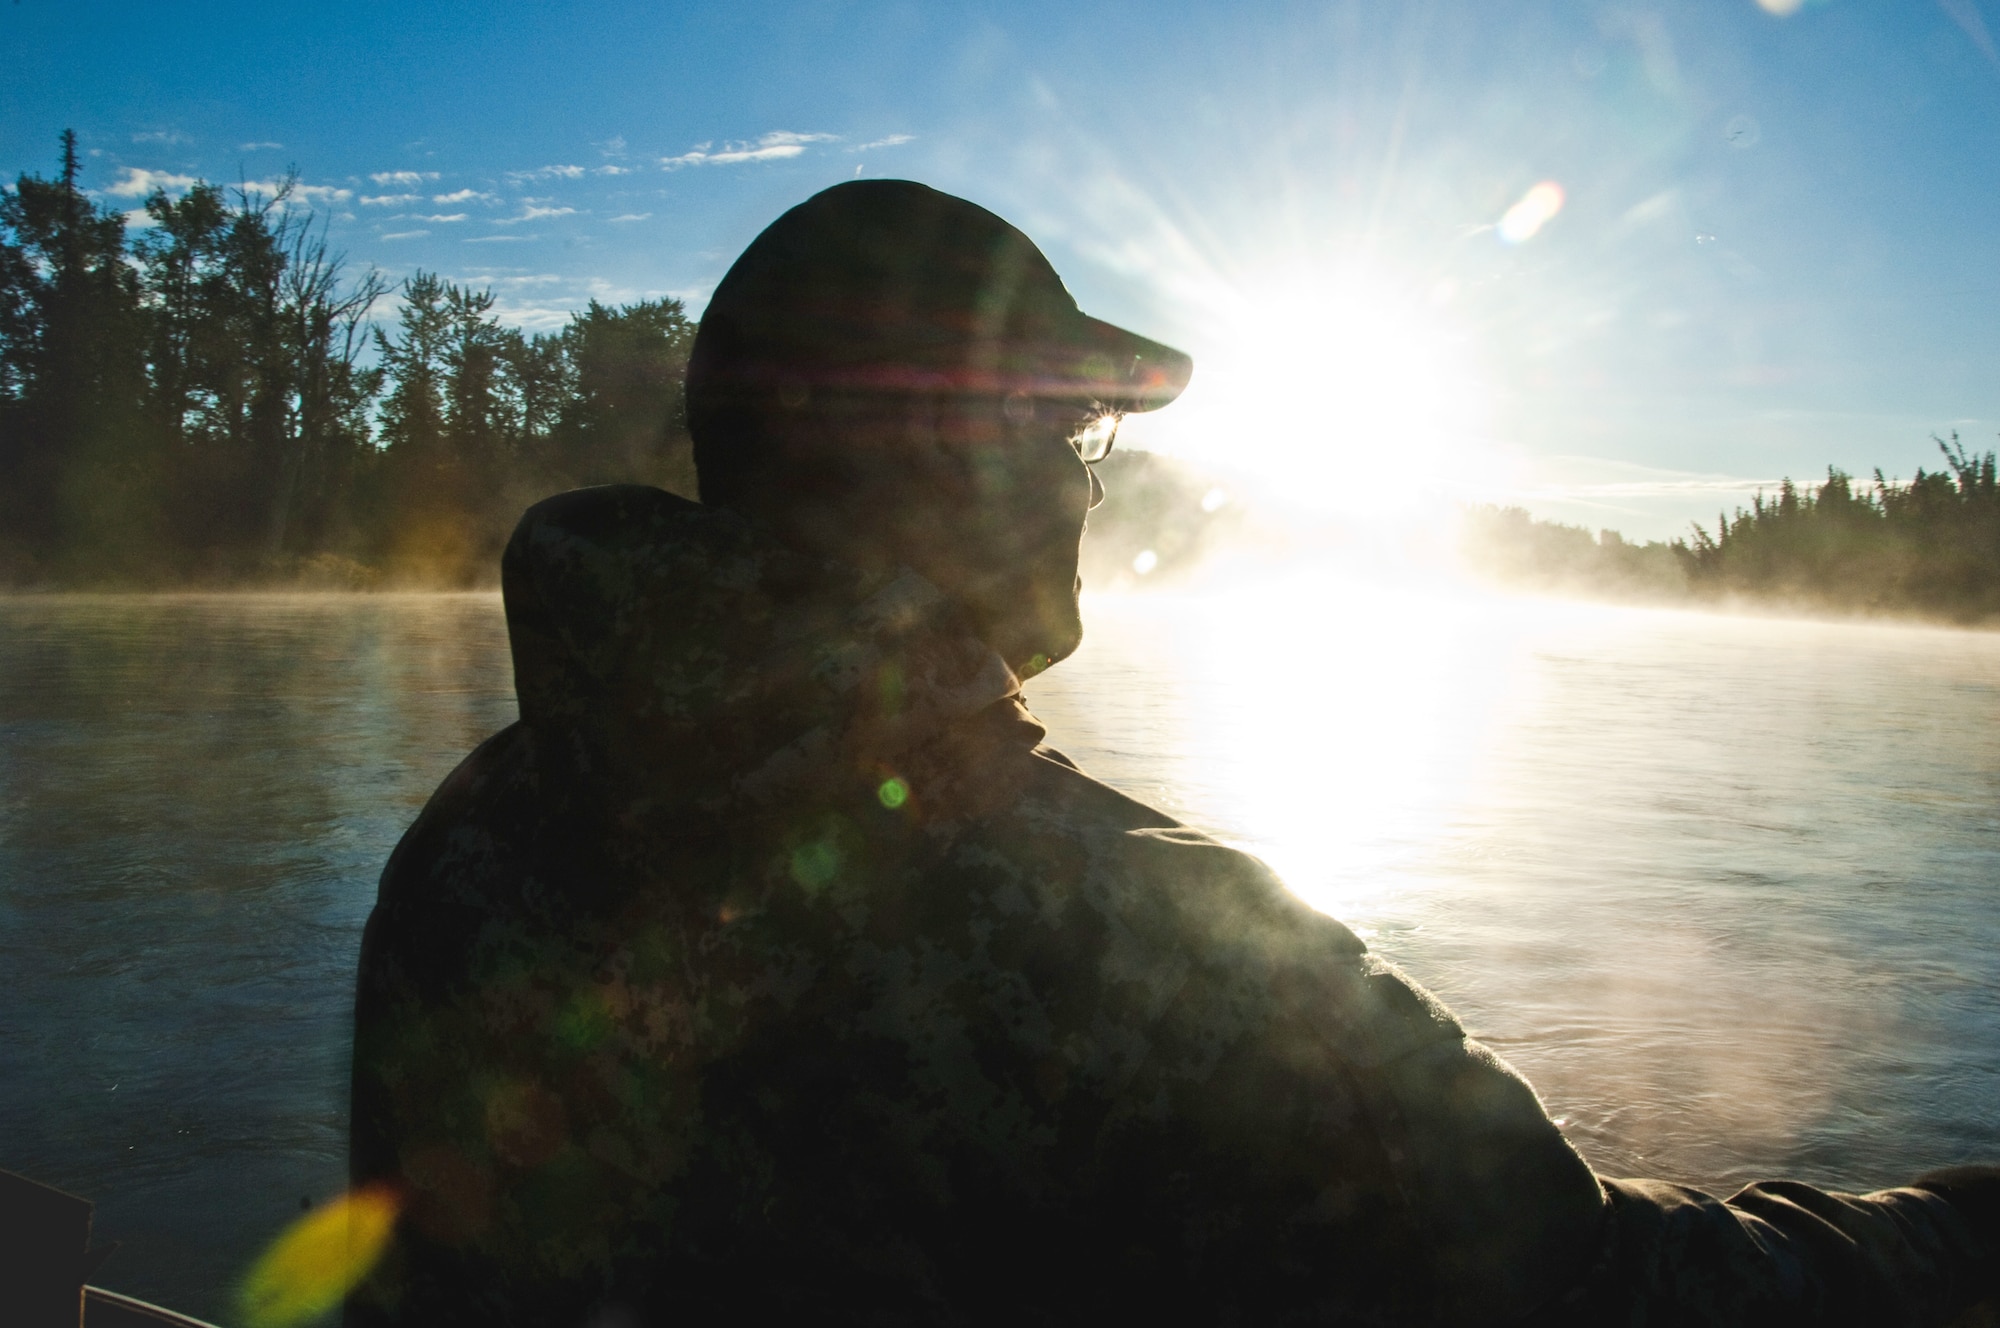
(77, 468)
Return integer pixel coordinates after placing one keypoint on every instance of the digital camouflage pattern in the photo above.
(771, 964)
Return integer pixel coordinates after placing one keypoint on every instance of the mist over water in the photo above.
(196, 796)
(1723, 888)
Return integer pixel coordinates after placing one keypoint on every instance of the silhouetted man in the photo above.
(772, 965)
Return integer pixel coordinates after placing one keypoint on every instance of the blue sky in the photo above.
(1774, 248)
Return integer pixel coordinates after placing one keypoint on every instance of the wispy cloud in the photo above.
(300, 193)
(168, 136)
(774, 146)
(1966, 14)
(137, 183)
(613, 147)
(631, 216)
(504, 280)
(546, 173)
(407, 179)
(534, 316)
(1584, 478)
(1649, 488)
(258, 147)
(390, 200)
(405, 235)
(892, 141)
(522, 305)
(446, 217)
(461, 196)
(530, 212)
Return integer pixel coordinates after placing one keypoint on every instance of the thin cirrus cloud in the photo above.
(407, 179)
(462, 196)
(892, 141)
(258, 147)
(530, 212)
(547, 173)
(442, 218)
(1597, 481)
(405, 235)
(1647, 488)
(1966, 14)
(629, 216)
(774, 146)
(168, 136)
(390, 200)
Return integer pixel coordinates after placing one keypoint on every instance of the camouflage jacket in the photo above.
(772, 964)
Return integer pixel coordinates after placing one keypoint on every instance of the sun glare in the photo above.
(1348, 392)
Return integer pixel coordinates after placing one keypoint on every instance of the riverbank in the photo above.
(1833, 553)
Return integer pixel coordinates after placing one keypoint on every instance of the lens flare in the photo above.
(1533, 212)
(319, 1259)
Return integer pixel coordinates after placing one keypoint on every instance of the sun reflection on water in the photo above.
(1333, 727)
(1719, 886)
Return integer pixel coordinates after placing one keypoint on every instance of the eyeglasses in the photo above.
(1092, 438)
(1093, 442)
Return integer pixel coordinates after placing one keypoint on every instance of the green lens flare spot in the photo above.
(816, 864)
(893, 793)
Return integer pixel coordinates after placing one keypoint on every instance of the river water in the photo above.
(1726, 889)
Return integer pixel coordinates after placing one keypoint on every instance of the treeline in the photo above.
(209, 399)
(212, 399)
(1927, 547)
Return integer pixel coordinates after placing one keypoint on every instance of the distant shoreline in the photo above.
(1926, 549)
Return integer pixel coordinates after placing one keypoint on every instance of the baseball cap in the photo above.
(893, 286)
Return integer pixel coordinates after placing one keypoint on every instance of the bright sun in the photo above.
(1345, 391)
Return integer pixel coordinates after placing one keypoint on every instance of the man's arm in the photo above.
(1783, 1253)
(1511, 1215)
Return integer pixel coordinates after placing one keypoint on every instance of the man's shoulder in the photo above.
(1061, 800)
(466, 819)
(1071, 840)
(473, 869)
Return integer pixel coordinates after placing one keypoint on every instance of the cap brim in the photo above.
(1117, 369)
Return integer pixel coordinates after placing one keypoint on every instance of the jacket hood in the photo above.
(676, 655)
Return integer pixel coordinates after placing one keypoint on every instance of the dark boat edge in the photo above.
(109, 1309)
